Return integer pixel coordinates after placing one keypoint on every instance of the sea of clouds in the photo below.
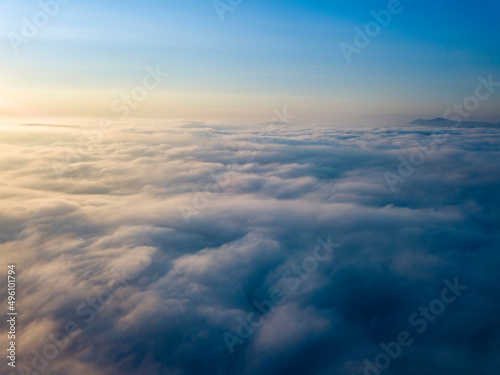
(147, 253)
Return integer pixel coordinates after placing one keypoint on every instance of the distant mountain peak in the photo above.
(448, 123)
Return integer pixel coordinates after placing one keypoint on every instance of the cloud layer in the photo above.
(159, 240)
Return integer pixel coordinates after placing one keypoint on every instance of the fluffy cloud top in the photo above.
(156, 241)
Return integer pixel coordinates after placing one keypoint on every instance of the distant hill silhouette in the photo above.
(442, 122)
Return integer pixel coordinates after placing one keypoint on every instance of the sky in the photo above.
(237, 63)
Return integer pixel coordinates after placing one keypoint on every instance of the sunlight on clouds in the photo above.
(113, 217)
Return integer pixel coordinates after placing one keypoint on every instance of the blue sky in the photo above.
(263, 55)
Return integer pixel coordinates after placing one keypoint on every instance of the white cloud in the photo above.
(117, 209)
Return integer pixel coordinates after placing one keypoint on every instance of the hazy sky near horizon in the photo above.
(263, 55)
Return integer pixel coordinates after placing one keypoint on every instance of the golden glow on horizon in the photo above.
(202, 106)
(52, 105)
